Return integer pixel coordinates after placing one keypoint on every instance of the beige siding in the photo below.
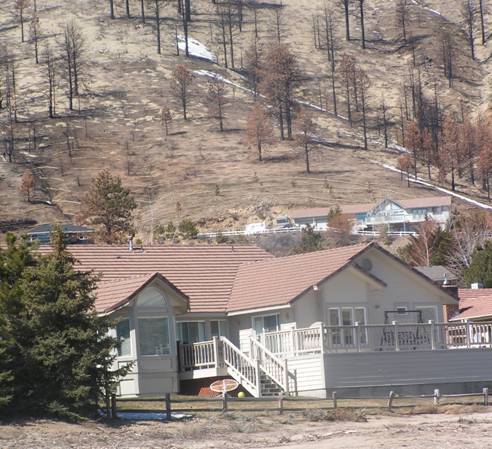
(310, 375)
(407, 368)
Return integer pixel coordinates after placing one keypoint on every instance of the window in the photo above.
(154, 336)
(266, 323)
(123, 337)
(338, 317)
(217, 328)
(190, 331)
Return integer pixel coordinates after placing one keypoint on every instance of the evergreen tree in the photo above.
(480, 269)
(310, 241)
(111, 205)
(63, 352)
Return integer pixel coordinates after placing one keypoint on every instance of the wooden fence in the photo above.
(282, 403)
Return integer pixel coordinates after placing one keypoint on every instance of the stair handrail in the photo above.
(273, 366)
(245, 370)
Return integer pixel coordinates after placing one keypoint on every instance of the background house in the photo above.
(74, 234)
(397, 216)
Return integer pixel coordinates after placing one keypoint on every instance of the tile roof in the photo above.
(278, 281)
(113, 294)
(437, 273)
(474, 303)
(433, 201)
(205, 273)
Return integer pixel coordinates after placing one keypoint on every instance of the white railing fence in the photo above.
(275, 367)
(386, 337)
(245, 370)
(198, 355)
(294, 341)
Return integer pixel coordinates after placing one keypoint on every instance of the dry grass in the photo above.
(177, 176)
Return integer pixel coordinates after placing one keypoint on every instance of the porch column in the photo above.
(433, 336)
(395, 335)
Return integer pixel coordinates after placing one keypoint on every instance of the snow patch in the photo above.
(420, 181)
(196, 49)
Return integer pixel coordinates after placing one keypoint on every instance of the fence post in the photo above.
(433, 336)
(114, 415)
(334, 399)
(395, 335)
(258, 377)
(437, 397)
(280, 403)
(286, 376)
(168, 406)
(390, 400)
(485, 396)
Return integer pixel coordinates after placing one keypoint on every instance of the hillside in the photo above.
(198, 171)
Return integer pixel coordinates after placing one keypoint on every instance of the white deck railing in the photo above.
(387, 337)
(198, 355)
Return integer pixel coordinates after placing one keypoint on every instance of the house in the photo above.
(475, 304)
(396, 216)
(73, 233)
(354, 319)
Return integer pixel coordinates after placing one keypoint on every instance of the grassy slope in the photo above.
(128, 83)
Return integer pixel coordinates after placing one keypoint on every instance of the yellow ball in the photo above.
(241, 394)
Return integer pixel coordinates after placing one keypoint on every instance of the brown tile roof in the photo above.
(113, 294)
(474, 303)
(350, 209)
(278, 281)
(205, 273)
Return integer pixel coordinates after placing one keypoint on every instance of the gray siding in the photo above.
(407, 368)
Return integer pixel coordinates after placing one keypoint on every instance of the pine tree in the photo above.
(480, 269)
(111, 205)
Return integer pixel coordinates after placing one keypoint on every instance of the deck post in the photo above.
(321, 338)
(433, 335)
(334, 399)
(258, 377)
(215, 341)
(286, 376)
(168, 406)
(293, 339)
(357, 335)
(295, 383)
(395, 335)
(485, 396)
(467, 324)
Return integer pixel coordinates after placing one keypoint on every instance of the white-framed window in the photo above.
(266, 323)
(154, 336)
(217, 328)
(347, 316)
(123, 337)
(190, 331)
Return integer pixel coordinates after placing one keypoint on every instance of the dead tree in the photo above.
(166, 118)
(468, 15)
(111, 9)
(34, 35)
(279, 24)
(384, 117)
(20, 6)
(51, 77)
(482, 22)
(346, 6)
(402, 17)
(182, 78)
(157, 8)
(306, 129)
(331, 46)
(221, 33)
(142, 10)
(127, 5)
(186, 17)
(216, 100)
(73, 52)
(447, 51)
(259, 130)
(346, 70)
(363, 31)
(363, 87)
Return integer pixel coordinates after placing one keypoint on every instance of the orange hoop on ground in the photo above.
(224, 386)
